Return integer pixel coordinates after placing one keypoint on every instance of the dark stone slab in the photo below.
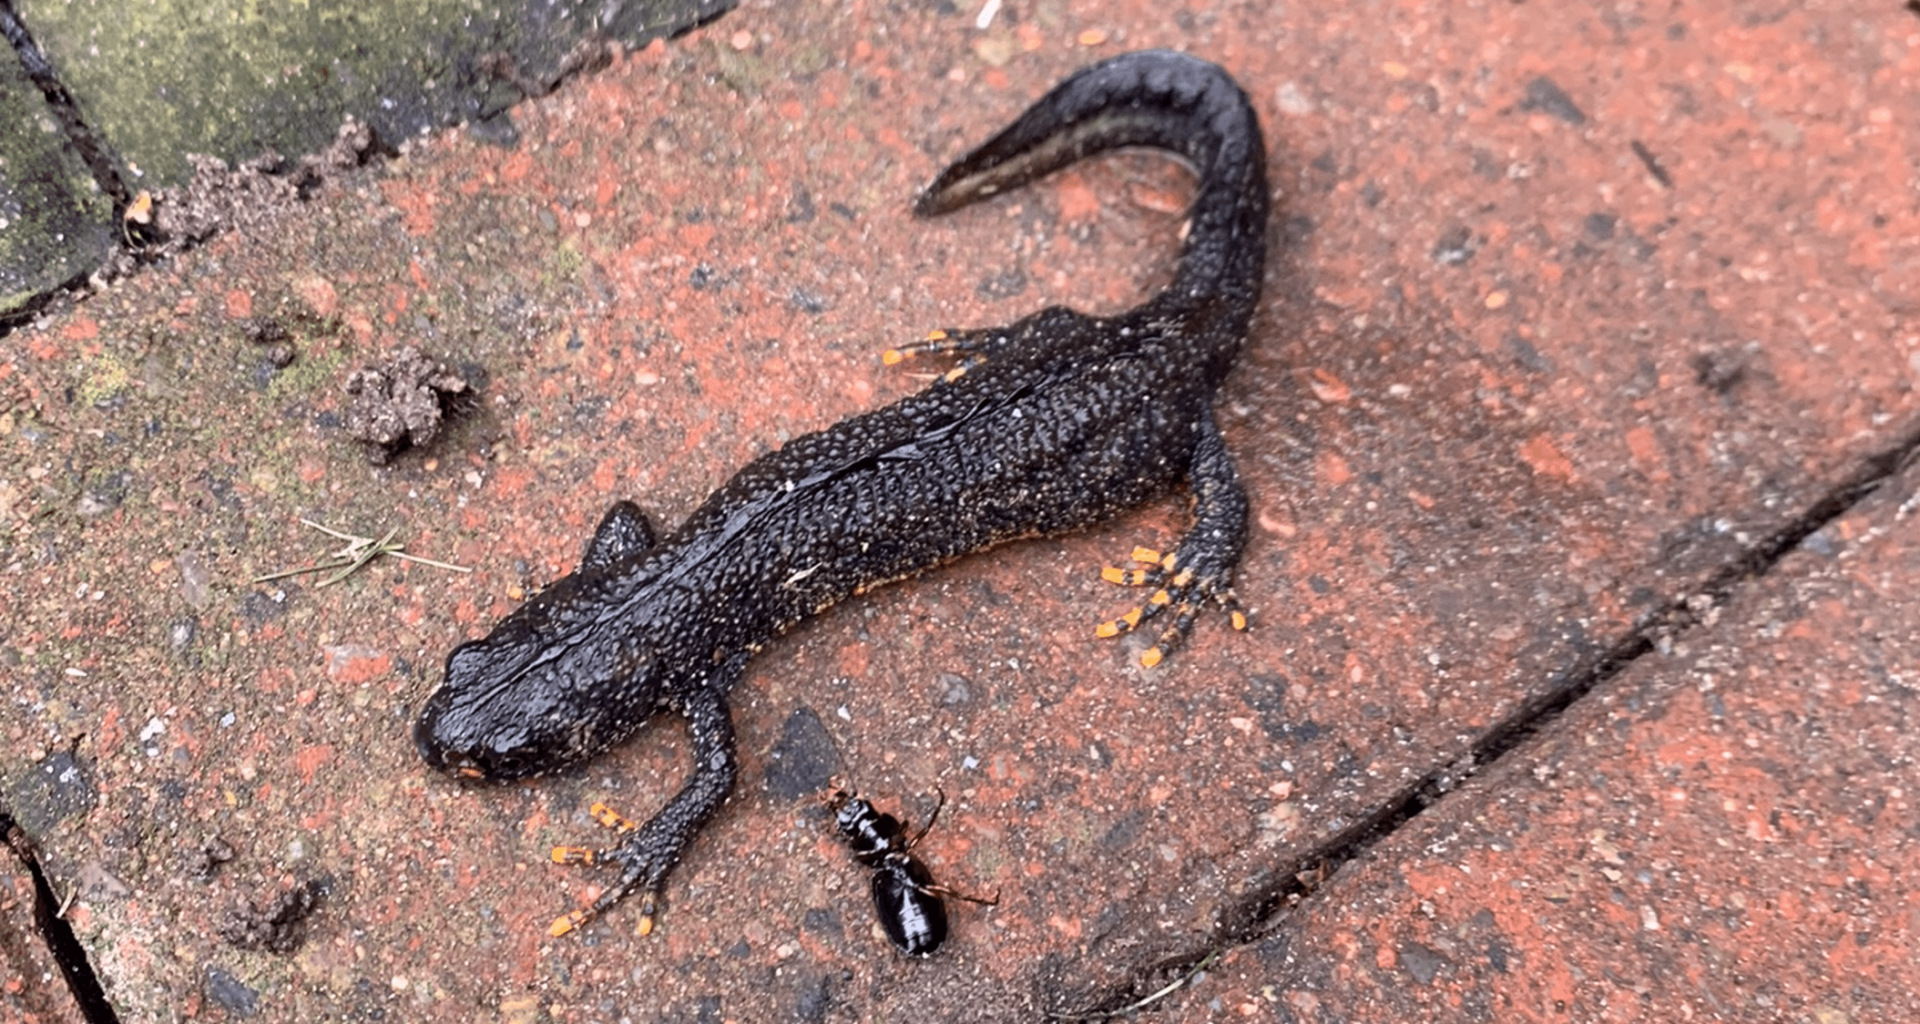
(231, 78)
(55, 223)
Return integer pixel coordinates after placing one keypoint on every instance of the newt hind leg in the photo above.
(969, 344)
(1050, 327)
(1200, 568)
(972, 346)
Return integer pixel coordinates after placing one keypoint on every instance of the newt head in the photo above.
(523, 701)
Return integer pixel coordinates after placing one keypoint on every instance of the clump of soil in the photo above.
(400, 403)
(204, 861)
(272, 335)
(278, 927)
(223, 197)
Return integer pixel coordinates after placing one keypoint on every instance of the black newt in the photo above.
(1052, 423)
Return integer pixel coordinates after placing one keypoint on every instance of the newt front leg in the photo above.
(652, 850)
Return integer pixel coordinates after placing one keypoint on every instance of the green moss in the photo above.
(10, 301)
(810, 58)
(741, 72)
(315, 369)
(563, 267)
(103, 378)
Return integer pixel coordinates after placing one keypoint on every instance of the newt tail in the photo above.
(1154, 99)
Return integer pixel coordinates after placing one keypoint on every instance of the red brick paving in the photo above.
(31, 988)
(1727, 832)
(1510, 392)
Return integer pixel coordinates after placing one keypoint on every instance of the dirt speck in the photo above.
(205, 860)
(399, 403)
(274, 338)
(280, 925)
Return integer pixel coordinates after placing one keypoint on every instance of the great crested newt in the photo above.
(1046, 425)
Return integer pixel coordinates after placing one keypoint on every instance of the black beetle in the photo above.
(910, 903)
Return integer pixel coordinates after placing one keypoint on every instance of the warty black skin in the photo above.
(907, 900)
(1052, 423)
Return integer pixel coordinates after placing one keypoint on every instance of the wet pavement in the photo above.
(110, 107)
(1719, 833)
(1572, 421)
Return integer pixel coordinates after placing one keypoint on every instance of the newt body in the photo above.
(1055, 422)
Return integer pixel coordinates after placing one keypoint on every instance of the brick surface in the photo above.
(1725, 832)
(32, 990)
(1568, 310)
